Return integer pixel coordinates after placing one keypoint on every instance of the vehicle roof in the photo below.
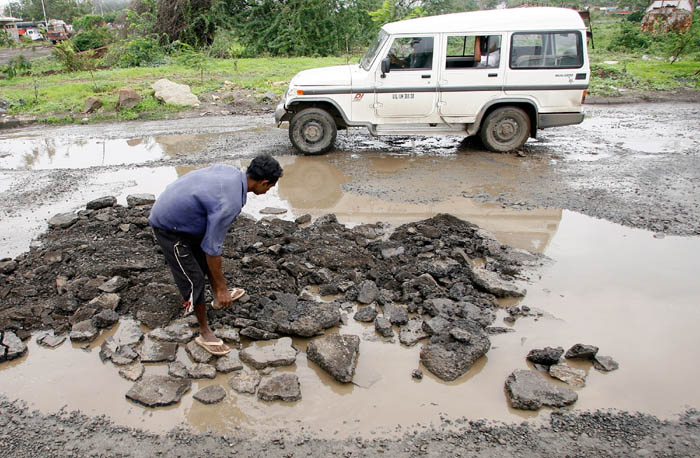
(508, 19)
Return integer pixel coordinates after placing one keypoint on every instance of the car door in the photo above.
(408, 90)
(472, 74)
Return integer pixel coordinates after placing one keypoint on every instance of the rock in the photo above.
(102, 202)
(569, 375)
(383, 327)
(105, 301)
(128, 333)
(211, 394)
(491, 282)
(228, 335)
(280, 387)
(136, 200)
(106, 319)
(368, 292)
(180, 332)
(417, 374)
(546, 356)
(297, 317)
(495, 330)
(273, 211)
(113, 285)
(92, 104)
(461, 335)
(48, 339)
(178, 369)
(119, 354)
(472, 312)
(158, 390)
(7, 267)
(303, 219)
(581, 351)
(84, 331)
(281, 353)
(229, 362)
(12, 346)
(412, 332)
(268, 97)
(128, 98)
(201, 370)
(449, 359)
(258, 334)
(174, 94)
(528, 390)
(396, 314)
(154, 351)
(366, 314)
(336, 354)
(63, 220)
(198, 354)
(605, 363)
(436, 325)
(132, 372)
(245, 382)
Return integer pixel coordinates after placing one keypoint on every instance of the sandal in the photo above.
(199, 340)
(236, 293)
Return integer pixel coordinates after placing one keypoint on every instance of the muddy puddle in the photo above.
(623, 290)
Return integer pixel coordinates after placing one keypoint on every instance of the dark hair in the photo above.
(264, 167)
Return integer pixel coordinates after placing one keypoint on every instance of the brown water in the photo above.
(623, 290)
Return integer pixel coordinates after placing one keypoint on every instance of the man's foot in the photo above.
(215, 347)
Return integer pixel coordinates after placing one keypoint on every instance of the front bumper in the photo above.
(281, 114)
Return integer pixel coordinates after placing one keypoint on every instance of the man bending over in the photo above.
(190, 220)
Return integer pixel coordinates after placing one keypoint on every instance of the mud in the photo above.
(611, 167)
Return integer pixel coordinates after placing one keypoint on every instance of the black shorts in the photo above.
(187, 261)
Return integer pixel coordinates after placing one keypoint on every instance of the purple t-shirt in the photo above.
(203, 202)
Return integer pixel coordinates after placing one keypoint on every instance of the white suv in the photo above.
(501, 74)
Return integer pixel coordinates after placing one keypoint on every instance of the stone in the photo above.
(436, 325)
(106, 319)
(581, 351)
(336, 354)
(303, 219)
(569, 375)
(368, 292)
(229, 362)
(178, 369)
(211, 394)
(491, 282)
(527, 390)
(366, 314)
(113, 285)
(12, 346)
(412, 332)
(228, 335)
(105, 301)
(128, 333)
(383, 326)
(7, 267)
(461, 335)
(245, 382)
(273, 211)
(119, 354)
(136, 200)
(546, 356)
(102, 202)
(449, 359)
(180, 332)
(84, 331)
(132, 372)
(128, 98)
(48, 339)
(396, 314)
(198, 354)
(605, 363)
(201, 370)
(280, 387)
(260, 356)
(174, 94)
(495, 330)
(158, 390)
(417, 374)
(63, 220)
(258, 334)
(154, 351)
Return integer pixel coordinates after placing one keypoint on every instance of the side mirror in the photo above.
(386, 66)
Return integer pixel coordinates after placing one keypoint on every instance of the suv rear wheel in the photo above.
(505, 129)
(312, 131)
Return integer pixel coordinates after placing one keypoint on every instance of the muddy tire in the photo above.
(313, 131)
(505, 129)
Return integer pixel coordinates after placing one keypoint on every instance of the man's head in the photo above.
(263, 173)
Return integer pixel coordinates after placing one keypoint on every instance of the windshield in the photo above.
(374, 48)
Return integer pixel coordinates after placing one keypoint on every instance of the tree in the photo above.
(66, 10)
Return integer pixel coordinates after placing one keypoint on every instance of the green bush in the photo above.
(225, 45)
(140, 52)
(629, 37)
(17, 65)
(5, 40)
(88, 22)
(92, 38)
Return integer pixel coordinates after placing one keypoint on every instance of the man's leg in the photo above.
(200, 308)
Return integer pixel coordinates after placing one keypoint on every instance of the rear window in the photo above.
(546, 50)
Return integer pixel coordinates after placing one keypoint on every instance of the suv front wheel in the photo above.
(505, 129)
(312, 131)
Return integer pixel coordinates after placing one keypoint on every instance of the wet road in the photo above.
(630, 291)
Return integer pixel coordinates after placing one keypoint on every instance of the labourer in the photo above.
(190, 220)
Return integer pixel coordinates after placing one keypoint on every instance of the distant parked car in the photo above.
(34, 34)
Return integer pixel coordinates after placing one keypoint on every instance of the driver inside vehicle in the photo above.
(412, 53)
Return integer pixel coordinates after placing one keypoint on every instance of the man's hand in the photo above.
(218, 282)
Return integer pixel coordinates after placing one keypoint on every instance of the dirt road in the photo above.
(627, 287)
(30, 53)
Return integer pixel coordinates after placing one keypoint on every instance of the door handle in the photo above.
(425, 76)
(493, 75)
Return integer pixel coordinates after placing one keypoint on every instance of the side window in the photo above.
(546, 50)
(473, 51)
(411, 53)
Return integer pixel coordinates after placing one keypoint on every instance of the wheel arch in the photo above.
(528, 106)
(329, 105)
